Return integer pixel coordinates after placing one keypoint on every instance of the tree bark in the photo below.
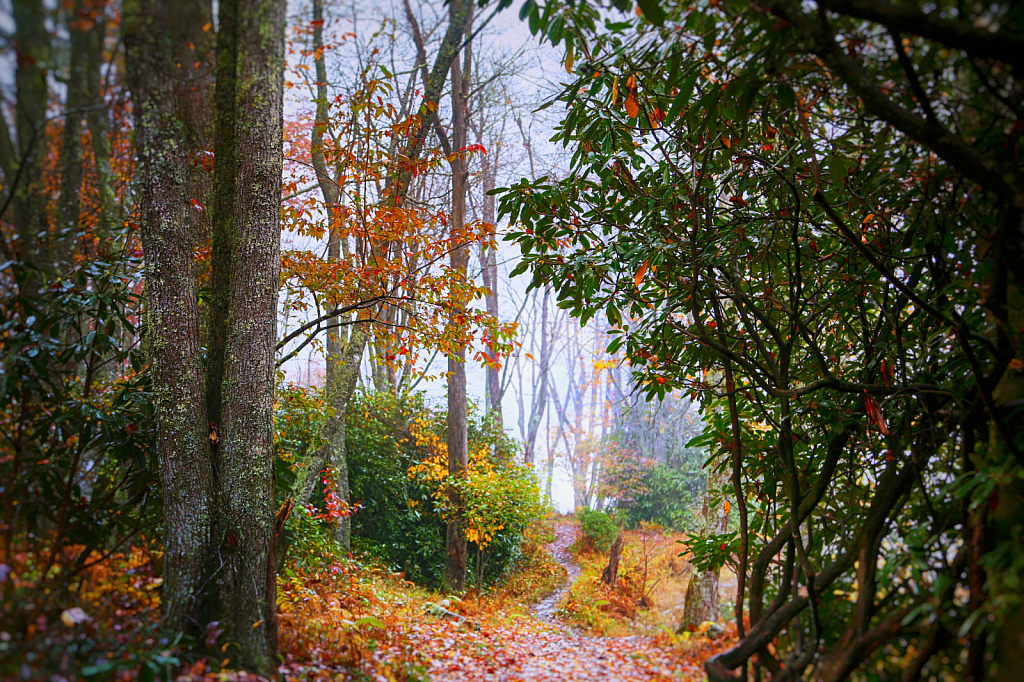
(99, 129)
(245, 505)
(24, 171)
(222, 207)
(610, 575)
(540, 402)
(342, 382)
(701, 601)
(458, 408)
(489, 269)
(70, 202)
(169, 235)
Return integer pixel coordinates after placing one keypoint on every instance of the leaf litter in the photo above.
(399, 633)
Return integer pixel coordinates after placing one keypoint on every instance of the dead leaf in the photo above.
(640, 273)
(632, 108)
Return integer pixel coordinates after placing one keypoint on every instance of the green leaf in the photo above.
(685, 90)
(371, 621)
(787, 98)
(652, 11)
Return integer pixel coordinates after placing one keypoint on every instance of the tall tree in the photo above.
(345, 344)
(153, 35)
(86, 40)
(540, 396)
(458, 406)
(22, 154)
(228, 515)
(246, 452)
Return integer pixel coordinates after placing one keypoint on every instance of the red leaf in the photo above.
(875, 414)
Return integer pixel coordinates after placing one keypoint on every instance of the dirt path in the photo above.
(546, 608)
(539, 648)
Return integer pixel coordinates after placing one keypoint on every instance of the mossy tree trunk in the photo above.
(246, 496)
(222, 425)
(169, 235)
(701, 601)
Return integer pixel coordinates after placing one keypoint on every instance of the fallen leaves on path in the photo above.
(530, 650)
(384, 630)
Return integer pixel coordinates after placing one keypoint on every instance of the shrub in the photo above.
(666, 498)
(598, 530)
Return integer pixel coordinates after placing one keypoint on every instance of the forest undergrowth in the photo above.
(650, 591)
(363, 622)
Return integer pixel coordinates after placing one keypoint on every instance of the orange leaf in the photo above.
(640, 273)
(726, 506)
(632, 108)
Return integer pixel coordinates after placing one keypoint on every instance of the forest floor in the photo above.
(541, 625)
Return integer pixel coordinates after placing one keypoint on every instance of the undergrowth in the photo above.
(648, 596)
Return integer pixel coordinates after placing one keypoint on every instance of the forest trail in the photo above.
(565, 534)
(538, 647)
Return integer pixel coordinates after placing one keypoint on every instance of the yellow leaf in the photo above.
(640, 273)
(615, 90)
(569, 59)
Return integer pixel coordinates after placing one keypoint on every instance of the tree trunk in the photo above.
(701, 601)
(223, 207)
(458, 408)
(550, 468)
(99, 129)
(541, 400)
(246, 514)
(610, 575)
(24, 172)
(340, 389)
(489, 269)
(169, 232)
(69, 204)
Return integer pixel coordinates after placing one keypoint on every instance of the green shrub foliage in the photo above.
(598, 529)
